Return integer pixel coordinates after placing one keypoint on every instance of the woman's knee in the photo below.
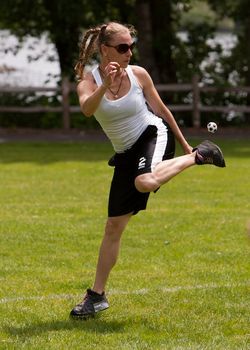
(146, 183)
(115, 226)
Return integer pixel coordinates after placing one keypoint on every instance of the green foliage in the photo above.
(167, 18)
(190, 53)
(173, 60)
(239, 61)
(62, 20)
(182, 279)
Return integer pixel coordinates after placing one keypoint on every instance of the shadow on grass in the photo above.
(92, 326)
(45, 153)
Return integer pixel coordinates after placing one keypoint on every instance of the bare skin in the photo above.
(109, 249)
(112, 67)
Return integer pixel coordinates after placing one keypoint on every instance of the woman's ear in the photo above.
(103, 50)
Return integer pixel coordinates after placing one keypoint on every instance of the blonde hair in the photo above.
(93, 39)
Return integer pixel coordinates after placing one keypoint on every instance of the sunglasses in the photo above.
(122, 48)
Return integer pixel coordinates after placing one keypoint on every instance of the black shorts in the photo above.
(152, 147)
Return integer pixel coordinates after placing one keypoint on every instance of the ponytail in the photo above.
(87, 49)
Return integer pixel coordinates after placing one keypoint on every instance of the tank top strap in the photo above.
(97, 76)
(132, 76)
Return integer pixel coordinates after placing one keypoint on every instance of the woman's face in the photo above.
(119, 49)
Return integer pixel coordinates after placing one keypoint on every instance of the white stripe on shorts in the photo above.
(161, 143)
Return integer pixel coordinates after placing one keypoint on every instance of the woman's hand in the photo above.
(109, 73)
(90, 95)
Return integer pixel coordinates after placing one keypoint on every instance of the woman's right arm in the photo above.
(89, 95)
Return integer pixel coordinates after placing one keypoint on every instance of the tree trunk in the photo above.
(66, 39)
(164, 39)
(247, 79)
(145, 38)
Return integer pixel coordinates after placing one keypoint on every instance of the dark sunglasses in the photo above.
(122, 48)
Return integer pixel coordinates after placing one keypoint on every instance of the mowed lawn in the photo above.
(183, 277)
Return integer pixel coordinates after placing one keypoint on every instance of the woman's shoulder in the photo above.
(87, 81)
(141, 74)
(138, 70)
(89, 77)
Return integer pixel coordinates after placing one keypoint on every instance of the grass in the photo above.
(182, 280)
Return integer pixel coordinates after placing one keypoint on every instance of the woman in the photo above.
(120, 95)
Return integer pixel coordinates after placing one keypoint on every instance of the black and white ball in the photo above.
(212, 127)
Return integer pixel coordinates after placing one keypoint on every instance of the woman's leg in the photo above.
(163, 172)
(205, 153)
(95, 299)
(109, 250)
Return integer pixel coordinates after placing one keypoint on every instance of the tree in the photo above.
(239, 11)
(238, 63)
(145, 38)
(157, 22)
(62, 20)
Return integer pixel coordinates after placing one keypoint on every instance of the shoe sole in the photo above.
(220, 162)
(86, 317)
(218, 158)
(81, 317)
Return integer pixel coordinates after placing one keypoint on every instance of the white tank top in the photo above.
(124, 120)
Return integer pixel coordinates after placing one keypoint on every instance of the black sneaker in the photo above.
(209, 153)
(91, 304)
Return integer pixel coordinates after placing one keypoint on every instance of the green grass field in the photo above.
(182, 279)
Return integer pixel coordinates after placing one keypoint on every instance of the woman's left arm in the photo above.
(158, 107)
